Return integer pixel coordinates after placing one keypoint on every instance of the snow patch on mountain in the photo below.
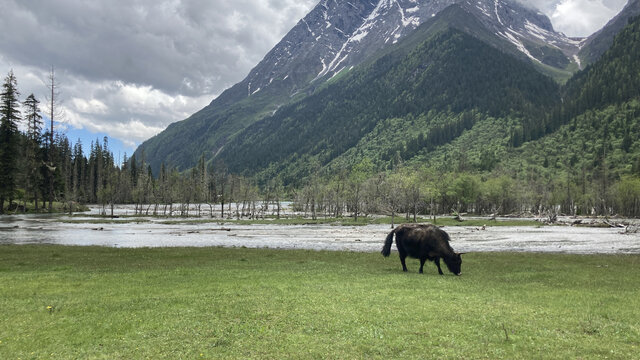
(507, 35)
(496, 3)
(308, 27)
(485, 11)
(536, 31)
(356, 36)
(576, 58)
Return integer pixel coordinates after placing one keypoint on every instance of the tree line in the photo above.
(428, 191)
(39, 168)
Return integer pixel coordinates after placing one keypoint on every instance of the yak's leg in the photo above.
(404, 265)
(402, 253)
(422, 264)
(437, 261)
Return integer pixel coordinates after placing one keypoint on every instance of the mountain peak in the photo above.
(338, 35)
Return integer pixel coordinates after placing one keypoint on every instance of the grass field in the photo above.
(196, 303)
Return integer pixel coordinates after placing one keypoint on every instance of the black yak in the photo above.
(423, 242)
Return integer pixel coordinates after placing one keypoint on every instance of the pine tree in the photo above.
(34, 139)
(9, 117)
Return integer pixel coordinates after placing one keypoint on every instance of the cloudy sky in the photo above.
(129, 68)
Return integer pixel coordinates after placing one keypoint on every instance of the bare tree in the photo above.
(391, 193)
(276, 189)
(220, 170)
(55, 112)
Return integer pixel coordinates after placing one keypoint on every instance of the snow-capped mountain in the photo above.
(529, 30)
(339, 34)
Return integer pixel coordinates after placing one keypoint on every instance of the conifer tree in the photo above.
(34, 139)
(9, 117)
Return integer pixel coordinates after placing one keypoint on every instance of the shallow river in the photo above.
(42, 229)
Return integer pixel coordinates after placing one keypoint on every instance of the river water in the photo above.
(151, 232)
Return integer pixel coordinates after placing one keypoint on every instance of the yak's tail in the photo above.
(386, 249)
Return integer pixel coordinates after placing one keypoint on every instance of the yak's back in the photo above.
(425, 237)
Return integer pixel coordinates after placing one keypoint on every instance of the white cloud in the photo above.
(129, 112)
(129, 68)
(92, 106)
(131, 133)
(583, 17)
(577, 17)
(188, 47)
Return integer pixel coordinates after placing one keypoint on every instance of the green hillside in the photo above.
(612, 80)
(424, 99)
(598, 147)
(589, 159)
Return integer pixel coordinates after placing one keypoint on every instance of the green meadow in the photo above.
(211, 303)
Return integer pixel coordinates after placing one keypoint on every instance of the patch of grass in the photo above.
(91, 302)
(18, 207)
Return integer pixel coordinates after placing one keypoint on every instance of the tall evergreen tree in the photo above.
(34, 159)
(9, 117)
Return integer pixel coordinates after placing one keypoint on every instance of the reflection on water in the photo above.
(150, 232)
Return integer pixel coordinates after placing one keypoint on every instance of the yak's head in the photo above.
(454, 263)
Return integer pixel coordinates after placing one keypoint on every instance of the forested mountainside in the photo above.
(450, 73)
(590, 163)
(598, 147)
(578, 147)
(614, 79)
(336, 37)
